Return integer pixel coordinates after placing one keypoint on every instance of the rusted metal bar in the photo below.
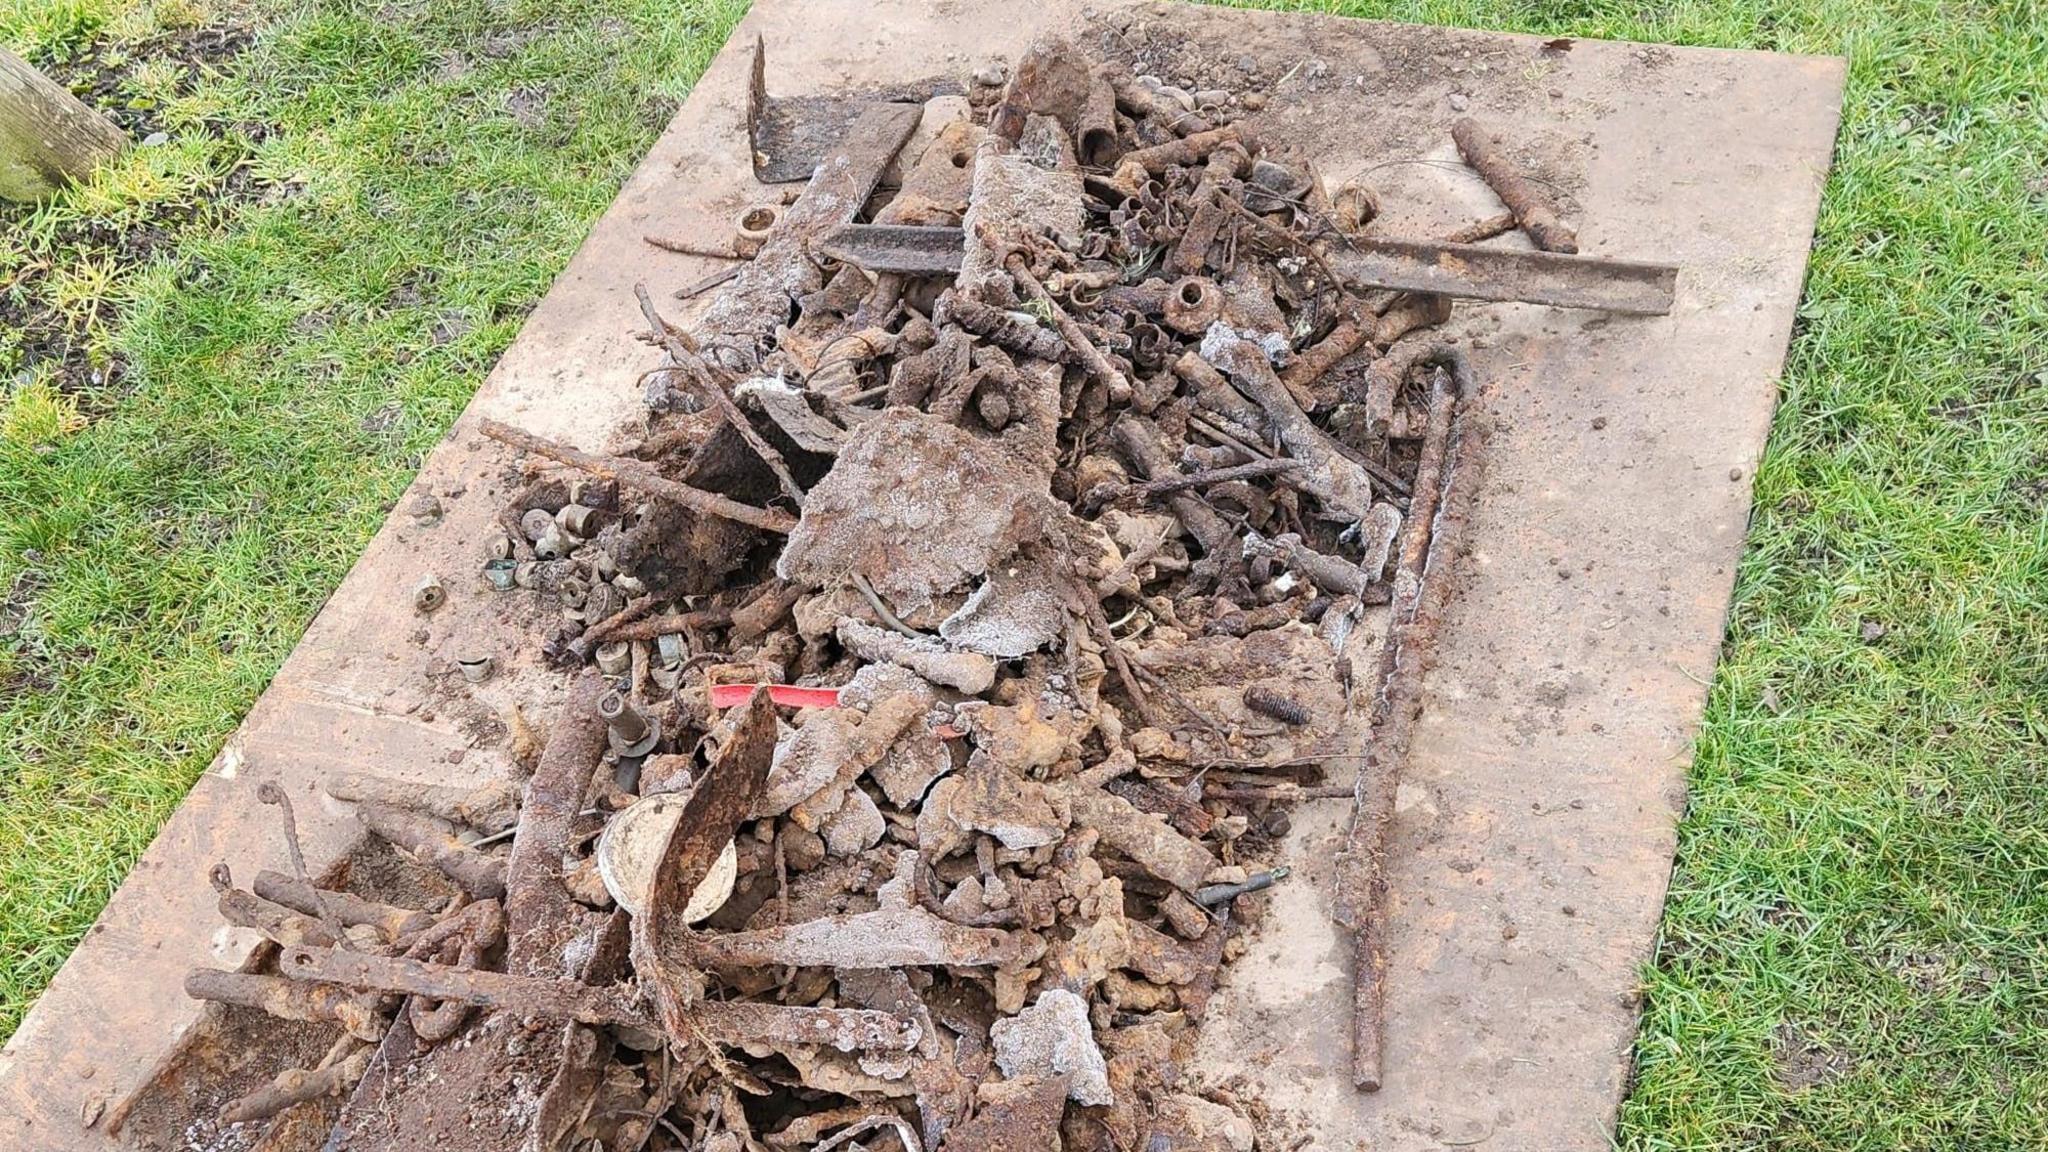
(491, 807)
(526, 995)
(1477, 272)
(1429, 547)
(1188, 151)
(433, 842)
(1142, 445)
(905, 249)
(350, 909)
(540, 914)
(637, 475)
(1168, 485)
(245, 909)
(1531, 206)
(1350, 334)
(885, 938)
(717, 1021)
(1479, 230)
(1134, 98)
(287, 999)
(295, 1086)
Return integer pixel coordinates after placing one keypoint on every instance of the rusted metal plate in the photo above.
(792, 135)
(1480, 272)
(910, 249)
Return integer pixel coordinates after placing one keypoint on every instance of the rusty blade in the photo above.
(1475, 272)
(722, 799)
(906, 249)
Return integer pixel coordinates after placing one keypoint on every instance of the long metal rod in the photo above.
(1466, 271)
(641, 476)
(1429, 547)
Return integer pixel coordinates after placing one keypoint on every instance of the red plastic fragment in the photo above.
(788, 695)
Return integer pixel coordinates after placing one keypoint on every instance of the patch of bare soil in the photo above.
(1800, 1064)
(45, 339)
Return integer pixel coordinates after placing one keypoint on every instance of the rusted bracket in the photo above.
(1476, 272)
(905, 249)
(790, 135)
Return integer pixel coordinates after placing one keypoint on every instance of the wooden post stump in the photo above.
(48, 138)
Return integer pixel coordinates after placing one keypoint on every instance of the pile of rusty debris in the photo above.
(999, 560)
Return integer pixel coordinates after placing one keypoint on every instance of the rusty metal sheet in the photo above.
(792, 135)
(1478, 272)
(909, 249)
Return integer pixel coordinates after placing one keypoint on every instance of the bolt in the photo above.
(630, 731)
(552, 543)
(1285, 709)
(1216, 894)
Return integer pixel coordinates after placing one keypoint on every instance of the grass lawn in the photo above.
(221, 360)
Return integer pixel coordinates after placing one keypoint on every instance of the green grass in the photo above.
(406, 181)
(1855, 953)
